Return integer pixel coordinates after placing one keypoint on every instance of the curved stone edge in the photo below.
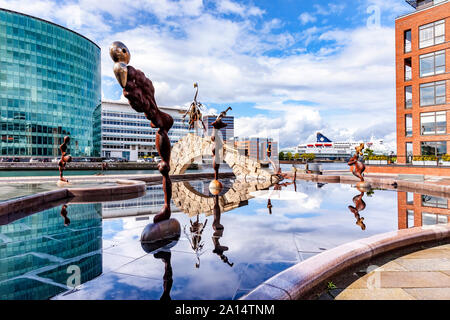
(124, 187)
(297, 281)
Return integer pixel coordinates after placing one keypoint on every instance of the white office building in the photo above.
(127, 134)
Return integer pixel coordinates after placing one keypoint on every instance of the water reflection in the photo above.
(359, 205)
(306, 219)
(38, 251)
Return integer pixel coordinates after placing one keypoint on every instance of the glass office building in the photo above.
(50, 86)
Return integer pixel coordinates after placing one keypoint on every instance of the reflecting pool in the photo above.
(261, 231)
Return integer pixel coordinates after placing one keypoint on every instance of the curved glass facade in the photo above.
(50, 86)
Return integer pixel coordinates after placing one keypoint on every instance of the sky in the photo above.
(288, 68)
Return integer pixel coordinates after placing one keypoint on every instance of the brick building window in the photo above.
(407, 37)
(433, 123)
(432, 63)
(434, 202)
(408, 125)
(432, 93)
(432, 34)
(408, 97)
(434, 148)
(408, 69)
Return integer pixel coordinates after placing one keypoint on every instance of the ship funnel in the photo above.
(322, 138)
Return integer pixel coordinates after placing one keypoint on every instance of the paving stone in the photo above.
(425, 264)
(429, 293)
(413, 279)
(375, 294)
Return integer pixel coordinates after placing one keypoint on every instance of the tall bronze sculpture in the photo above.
(140, 93)
(216, 186)
(358, 167)
(65, 158)
(194, 112)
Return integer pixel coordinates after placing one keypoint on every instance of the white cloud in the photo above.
(350, 80)
(306, 18)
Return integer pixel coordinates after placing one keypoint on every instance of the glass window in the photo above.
(408, 125)
(432, 63)
(408, 97)
(434, 148)
(434, 202)
(408, 69)
(429, 219)
(407, 36)
(409, 198)
(432, 123)
(432, 93)
(410, 218)
(432, 34)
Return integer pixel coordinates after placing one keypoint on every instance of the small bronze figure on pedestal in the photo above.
(358, 167)
(216, 186)
(194, 112)
(140, 93)
(65, 158)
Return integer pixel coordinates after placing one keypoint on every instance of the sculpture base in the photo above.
(363, 186)
(164, 230)
(62, 183)
(215, 187)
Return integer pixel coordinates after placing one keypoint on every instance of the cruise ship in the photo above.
(324, 148)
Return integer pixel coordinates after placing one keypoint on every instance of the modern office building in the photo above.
(422, 56)
(50, 86)
(227, 132)
(127, 134)
(256, 148)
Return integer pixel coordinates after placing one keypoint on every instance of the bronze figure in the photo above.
(360, 205)
(194, 112)
(358, 167)
(65, 158)
(215, 186)
(140, 93)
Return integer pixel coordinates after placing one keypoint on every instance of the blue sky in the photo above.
(288, 68)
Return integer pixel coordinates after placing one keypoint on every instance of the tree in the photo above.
(297, 156)
(308, 156)
(281, 155)
(289, 156)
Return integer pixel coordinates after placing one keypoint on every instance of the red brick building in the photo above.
(422, 80)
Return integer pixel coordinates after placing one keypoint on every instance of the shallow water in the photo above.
(38, 251)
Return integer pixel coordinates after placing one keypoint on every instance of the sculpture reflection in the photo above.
(218, 233)
(158, 239)
(195, 238)
(65, 158)
(360, 205)
(64, 215)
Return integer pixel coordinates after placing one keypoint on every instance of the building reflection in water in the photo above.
(416, 210)
(36, 252)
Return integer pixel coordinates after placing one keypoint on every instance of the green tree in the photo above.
(289, 156)
(297, 156)
(281, 155)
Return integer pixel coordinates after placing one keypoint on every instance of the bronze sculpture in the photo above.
(358, 167)
(360, 205)
(140, 93)
(65, 158)
(215, 186)
(194, 112)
